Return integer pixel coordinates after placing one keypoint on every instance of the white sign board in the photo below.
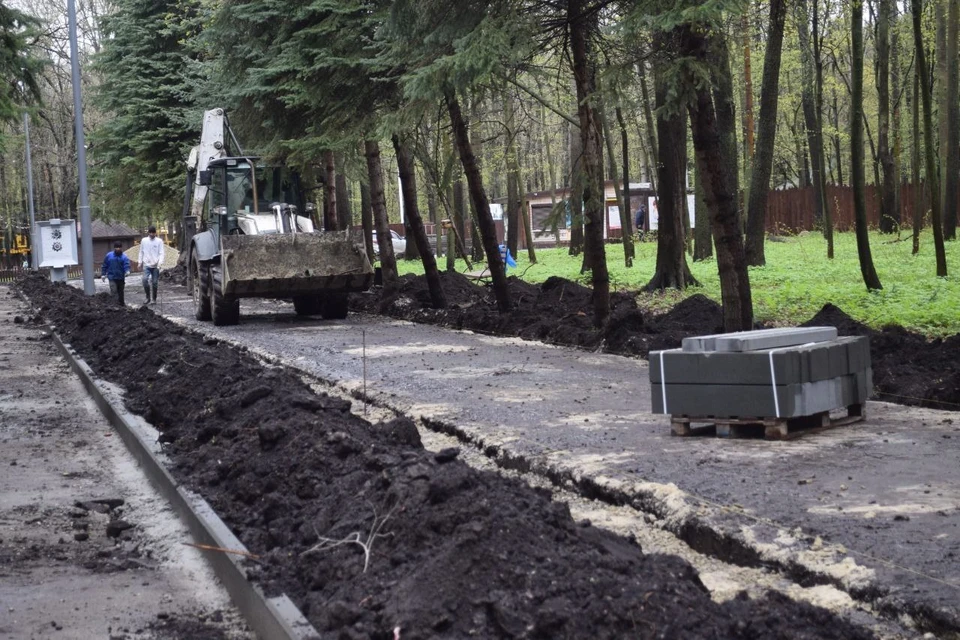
(653, 214)
(496, 211)
(57, 247)
(613, 213)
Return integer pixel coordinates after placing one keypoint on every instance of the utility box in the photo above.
(57, 246)
(777, 378)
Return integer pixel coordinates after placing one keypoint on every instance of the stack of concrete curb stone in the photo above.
(768, 374)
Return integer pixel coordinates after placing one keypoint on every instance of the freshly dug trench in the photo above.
(366, 530)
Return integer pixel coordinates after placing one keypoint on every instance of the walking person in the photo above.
(115, 268)
(639, 217)
(151, 259)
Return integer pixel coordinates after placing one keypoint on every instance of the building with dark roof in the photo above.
(105, 234)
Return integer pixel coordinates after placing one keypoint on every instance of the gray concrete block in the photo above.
(718, 367)
(757, 401)
(818, 361)
(759, 339)
(859, 353)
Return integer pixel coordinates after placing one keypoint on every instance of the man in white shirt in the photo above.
(151, 259)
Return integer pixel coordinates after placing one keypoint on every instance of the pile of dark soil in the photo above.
(907, 368)
(367, 531)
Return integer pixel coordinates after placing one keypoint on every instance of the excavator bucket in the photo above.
(286, 265)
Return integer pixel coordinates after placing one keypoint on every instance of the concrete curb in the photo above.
(271, 618)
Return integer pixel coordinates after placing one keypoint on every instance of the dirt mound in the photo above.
(698, 314)
(565, 297)
(832, 316)
(627, 333)
(907, 368)
(367, 531)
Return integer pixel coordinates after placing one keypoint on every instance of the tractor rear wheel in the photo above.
(333, 306)
(225, 310)
(307, 305)
(200, 285)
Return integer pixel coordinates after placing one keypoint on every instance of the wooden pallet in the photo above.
(769, 428)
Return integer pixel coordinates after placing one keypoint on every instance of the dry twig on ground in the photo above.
(355, 538)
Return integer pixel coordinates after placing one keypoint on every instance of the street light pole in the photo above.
(86, 241)
(33, 221)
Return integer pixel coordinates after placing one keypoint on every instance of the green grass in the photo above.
(797, 281)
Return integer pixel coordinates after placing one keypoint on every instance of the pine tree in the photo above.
(19, 67)
(149, 88)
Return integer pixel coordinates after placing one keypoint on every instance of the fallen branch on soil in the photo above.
(354, 538)
(206, 547)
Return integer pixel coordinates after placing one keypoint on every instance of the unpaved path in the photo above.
(62, 575)
(872, 509)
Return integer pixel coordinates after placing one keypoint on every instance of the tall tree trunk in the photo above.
(915, 165)
(672, 271)
(814, 127)
(576, 194)
(626, 214)
(952, 141)
(408, 181)
(344, 214)
(366, 220)
(623, 204)
(528, 230)
(513, 175)
(651, 128)
(731, 259)
(330, 220)
(459, 211)
(702, 240)
(551, 168)
(763, 159)
(378, 202)
(867, 269)
(434, 218)
(837, 149)
(940, 92)
(748, 144)
(889, 216)
(581, 24)
(896, 83)
(481, 205)
(726, 112)
(931, 172)
(476, 141)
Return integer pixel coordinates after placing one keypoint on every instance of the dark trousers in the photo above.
(116, 288)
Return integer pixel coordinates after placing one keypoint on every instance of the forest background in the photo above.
(727, 98)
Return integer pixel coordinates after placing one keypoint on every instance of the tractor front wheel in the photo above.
(200, 285)
(225, 310)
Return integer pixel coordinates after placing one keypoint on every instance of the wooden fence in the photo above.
(791, 210)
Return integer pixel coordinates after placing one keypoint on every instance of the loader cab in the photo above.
(243, 195)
